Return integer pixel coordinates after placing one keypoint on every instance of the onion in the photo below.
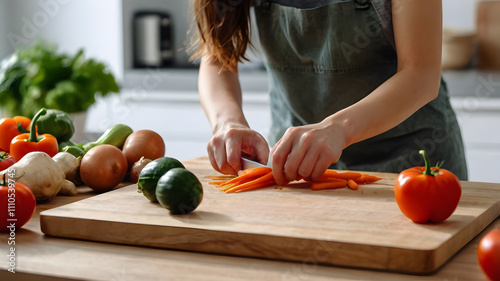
(103, 167)
(141, 143)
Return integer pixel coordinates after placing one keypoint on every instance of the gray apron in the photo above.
(322, 56)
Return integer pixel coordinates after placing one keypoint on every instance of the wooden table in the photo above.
(39, 257)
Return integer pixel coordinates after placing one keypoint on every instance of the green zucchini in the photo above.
(115, 135)
(152, 172)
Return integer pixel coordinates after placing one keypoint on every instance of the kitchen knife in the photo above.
(247, 163)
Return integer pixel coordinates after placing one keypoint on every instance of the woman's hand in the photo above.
(307, 151)
(225, 148)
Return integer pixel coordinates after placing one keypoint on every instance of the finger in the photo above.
(262, 150)
(280, 154)
(220, 156)
(233, 153)
(323, 162)
(293, 161)
(308, 163)
(211, 158)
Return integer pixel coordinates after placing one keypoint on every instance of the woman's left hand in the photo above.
(307, 151)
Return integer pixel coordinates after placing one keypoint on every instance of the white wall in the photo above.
(460, 14)
(93, 25)
(4, 27)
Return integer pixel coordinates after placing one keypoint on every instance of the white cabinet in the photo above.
(479, 125)
(475, 97)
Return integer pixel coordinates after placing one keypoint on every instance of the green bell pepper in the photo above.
(57, 123)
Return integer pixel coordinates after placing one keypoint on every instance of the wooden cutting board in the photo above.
(362, 228)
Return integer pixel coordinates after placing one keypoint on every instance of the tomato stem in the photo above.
(3, 155)
(427, 164)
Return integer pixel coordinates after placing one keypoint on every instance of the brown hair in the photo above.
(222, 30)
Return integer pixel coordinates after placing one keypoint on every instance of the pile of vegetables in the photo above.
(255, 178)
(38, 156)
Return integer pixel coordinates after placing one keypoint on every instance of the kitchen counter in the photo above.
(40, 257)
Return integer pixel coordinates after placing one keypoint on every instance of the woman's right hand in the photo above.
(226, 146)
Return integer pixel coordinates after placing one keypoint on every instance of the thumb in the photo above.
(262, 152)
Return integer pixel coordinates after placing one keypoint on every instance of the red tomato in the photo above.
(6, 160)
(17, 205)
(427, 194)
(488, 254)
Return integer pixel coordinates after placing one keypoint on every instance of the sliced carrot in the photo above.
(265, 178)
(352, 184)
(328, 185)
(255, 171)
(371, 179)
(365, 178)
(343, 175)
(327, 178)
(258, 185)
(226, 177)
(249, 174)
(217, 182)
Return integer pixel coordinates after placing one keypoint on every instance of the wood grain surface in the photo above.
(362, 228)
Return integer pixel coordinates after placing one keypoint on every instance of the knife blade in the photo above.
(249, 164)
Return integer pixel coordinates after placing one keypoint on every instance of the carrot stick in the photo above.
(258, 185)
(226, 177)
(217, 182)
(327, 178)
(249, 174)
(253, 170)
(344, 175)
(352, 184)
(264, 178)
(365, 178)
(371, 179)
(328, 185)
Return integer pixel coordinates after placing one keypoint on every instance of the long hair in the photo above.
(222, 31)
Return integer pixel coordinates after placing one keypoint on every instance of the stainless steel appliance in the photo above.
(153, 40)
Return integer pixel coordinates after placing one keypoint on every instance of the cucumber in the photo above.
(179, 191)
(152, 172)
(114, 135)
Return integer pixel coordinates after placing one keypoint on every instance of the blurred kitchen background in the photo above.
(159, 85)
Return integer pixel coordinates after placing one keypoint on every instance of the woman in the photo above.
(354, 84)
